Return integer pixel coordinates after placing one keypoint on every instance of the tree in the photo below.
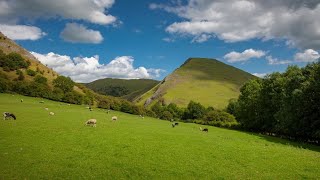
(64, 83)
(194, 111)
(40, 79)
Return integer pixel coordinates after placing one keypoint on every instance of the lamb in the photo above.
(92, 122)
(204, 130)
(51, 113)
(7, 115)
(114, 118)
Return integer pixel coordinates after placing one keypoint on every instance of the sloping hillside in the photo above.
(208, 81)
(9, 46)
(126, 88)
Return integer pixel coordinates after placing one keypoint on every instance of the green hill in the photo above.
(208, 81)
(126, 88)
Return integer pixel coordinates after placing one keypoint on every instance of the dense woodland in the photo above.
(285, 104)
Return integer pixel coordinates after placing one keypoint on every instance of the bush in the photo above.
(31, 72)
(40, 79)
(166, 115)
(12, 61)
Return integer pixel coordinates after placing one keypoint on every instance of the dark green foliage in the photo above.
(64, 83)
(166, 115)
(40, 79)
(286, 104)
(31, 72)
(219, 118)
(127, 89)
(12, 61)
(5, 84)
(194, 111)
(72, 97)
(20, 75)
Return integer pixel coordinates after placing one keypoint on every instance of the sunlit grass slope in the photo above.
(40, 146)
(208, 81)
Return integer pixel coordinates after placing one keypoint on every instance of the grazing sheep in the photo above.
(176, 124)
(114, 118)
(51, 113)
(204, 130)
(92, 122)
(7, 115)
(46, 109)
(68, 104)
(173, 125)
(21, 100)
(142, 116)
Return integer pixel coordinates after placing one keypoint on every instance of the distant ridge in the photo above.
(208, 81)
(128, 89)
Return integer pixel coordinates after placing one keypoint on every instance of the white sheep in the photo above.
(114, 118)
(47, 109)
(51, 113)
(92, 122)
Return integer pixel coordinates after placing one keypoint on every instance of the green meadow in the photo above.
(40, 146)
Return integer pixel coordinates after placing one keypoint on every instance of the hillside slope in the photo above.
(9, 46)
(208, 81)
(126, 88)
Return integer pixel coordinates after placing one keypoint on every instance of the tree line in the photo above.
(284, 104)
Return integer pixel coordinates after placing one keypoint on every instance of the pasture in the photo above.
(42, 146)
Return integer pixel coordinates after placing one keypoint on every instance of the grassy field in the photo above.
(208, 81)
(40, 146)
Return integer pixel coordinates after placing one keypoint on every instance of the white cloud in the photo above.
(243, 56)
(260, 75)
(94, 11)
(87, 69)
(238, 20)
(74, 32)
(309, 55)
(201, 38)
(21, 32)
(276, 61)
(167, 39)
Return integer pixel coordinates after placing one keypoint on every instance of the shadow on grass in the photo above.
(287, 142)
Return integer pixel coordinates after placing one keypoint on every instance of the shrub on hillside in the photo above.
(31, 72)
(40, 79)
(64, 83)
(12, 61)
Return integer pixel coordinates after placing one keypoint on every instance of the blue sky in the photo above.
(149, 39)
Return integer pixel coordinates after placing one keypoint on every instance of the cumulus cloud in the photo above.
(74, 32)
(296, 21)
(243, 56)
(276, 61)
(309, 55)
(260, 75)
(21, 32)
(94, 11)
(87, 69)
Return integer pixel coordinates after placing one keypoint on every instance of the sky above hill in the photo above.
(93, 39)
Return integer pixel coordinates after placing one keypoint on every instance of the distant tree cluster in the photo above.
(195, 112)
(286, 104)
(12, 61)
